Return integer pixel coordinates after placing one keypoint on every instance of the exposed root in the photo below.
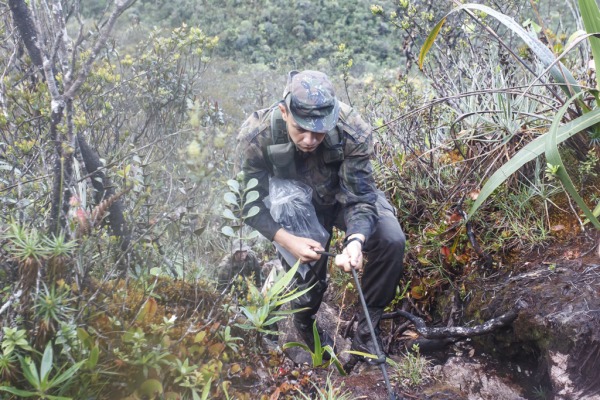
(457, 331)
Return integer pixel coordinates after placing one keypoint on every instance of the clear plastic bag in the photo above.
(290, 204)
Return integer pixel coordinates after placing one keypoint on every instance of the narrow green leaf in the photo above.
(532, 150)
(568, 48)
(46, 365)
(292, 296)
(84, 337)
(289, 345)
(206, 389)
(362, 354)
(591, 20)
(553, 157)
(94, 355)
(68, 374)
(558, 71)
(284, 281)
(30, 372)
(430, 40)
(18, 392)
(275, 319)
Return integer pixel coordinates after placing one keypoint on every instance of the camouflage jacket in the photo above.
(347, 185)
(230, 266)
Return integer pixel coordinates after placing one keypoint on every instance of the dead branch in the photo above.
(457, 331)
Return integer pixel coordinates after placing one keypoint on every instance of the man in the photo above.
(312, 137)
(243, 262)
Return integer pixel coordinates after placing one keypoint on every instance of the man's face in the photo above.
(305, 141)
(241, 255)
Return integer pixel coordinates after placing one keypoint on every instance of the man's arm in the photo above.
(358, 192)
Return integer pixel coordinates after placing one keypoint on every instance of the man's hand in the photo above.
(301, 248)
(352, 256)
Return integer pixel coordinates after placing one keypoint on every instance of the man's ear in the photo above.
(283, 111)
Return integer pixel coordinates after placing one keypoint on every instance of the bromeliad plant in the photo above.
(547, 144)
(319, 351)
(44, 383)
(263, 313)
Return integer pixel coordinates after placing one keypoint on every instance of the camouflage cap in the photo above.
(239, 245)
(310, 97)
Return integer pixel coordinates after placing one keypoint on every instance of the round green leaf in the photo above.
(252, 235)
(151, 388)
(233, 185)
(228, 231)
(252, 183)
(251, 196)
(252, 212)
(230, 198)
(229, 214)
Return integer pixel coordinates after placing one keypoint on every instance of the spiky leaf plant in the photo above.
(28, 249)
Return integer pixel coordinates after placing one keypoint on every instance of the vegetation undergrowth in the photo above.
(112, 209)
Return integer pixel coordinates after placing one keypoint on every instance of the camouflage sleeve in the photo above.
(255, 269)
(251, 142)
(224, 274)
(358, 192)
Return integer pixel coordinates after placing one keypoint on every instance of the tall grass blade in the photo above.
(558, 71)
(531, 151)
(553, 157)
(429, 41)
(591, 20)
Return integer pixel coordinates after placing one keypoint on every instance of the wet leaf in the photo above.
(148, 310)
(216, 349)
(199, 337)
(445, 251)
(151, 388)
(235, 368)
(418, 292)
(247, 371)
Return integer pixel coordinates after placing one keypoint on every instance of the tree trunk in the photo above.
(26, 27)
(104, 190)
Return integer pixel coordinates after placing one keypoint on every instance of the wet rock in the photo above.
(557, 332)
(475, 380)
(564, 386)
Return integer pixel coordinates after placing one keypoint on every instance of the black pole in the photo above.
(380, 355)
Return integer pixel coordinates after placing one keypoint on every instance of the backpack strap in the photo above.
(281, 153)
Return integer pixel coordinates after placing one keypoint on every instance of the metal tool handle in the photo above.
(380, 355)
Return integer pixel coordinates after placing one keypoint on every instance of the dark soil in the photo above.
(551, 351)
